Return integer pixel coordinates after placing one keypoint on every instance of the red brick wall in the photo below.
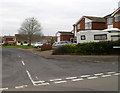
(66, 37)
(116, 24)
(9, 39)
(98, 26)
(82, 25)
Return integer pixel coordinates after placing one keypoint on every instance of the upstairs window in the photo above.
(110, 21)
(88, 25)
(117, 18)
(78, 26)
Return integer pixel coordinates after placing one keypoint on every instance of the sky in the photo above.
(53, 15)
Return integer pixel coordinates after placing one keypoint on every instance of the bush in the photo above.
(93, 48)
(46, 47)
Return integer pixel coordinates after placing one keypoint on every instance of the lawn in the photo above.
(23, 47)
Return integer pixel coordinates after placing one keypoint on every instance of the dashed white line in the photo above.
(23, 86)
(19, 56)
(111, 72)
(55, 79)
(92, 77)
(117, 74)
(85, 75)
(78, 79)
(105, 75)
(70, 77)
(23, 63)
(60, 82)
(98, 74)
(39, 81)
(3, 89)
(41, 84)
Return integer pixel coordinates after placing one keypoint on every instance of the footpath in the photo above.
(78, 58)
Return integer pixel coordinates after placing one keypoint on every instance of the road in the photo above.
(23, 71)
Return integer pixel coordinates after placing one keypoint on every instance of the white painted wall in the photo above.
(90, 36)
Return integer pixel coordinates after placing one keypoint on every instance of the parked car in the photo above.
(61, 43)
(37, 45)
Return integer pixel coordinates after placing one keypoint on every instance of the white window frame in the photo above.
(88, 25)
(78, 26)
(109, 21)
(117, 18)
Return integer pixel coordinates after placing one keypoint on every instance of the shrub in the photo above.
(93, 48)
(46, 47)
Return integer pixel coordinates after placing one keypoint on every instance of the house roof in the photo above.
(65, 33)
(36, 38)
(94, 19)
(5, 37)
(112, 14)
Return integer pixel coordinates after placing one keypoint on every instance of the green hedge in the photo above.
(93, 48)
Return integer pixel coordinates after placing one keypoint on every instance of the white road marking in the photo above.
(55, 79)
(111, 72)
(78, 79)
(85, 75)
(92, 77)
(30, 77)
(98, 74)
(3, 89)
(117, 74)
(60, 82)
(23, 63)
(23, 86)
(42, 84)
(105, 75)
(19, 56)
(39, 81)
(70, 77)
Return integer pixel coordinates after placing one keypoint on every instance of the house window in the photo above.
(19, 41)
(109, 21)
(88, 25)
(100, 37)
(25, 42)
(78, 26)
(83, 37)
(117, 18)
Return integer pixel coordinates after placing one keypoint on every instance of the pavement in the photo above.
(26, 71)
(78, 58)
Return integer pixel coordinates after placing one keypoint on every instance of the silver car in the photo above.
(61, 43)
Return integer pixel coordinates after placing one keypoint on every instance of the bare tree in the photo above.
(31, 27)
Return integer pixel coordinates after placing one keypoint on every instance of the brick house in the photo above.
(113, 19)
(22, 39)
(10, 40)
(64, 36)
(95, 29)
(90, 23)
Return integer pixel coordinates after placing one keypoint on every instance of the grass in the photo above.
(39, 50)
(18, 46)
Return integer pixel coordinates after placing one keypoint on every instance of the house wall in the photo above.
(116, 24)
(98, 25)
(89, 36)
(82, 25)
(66, 37)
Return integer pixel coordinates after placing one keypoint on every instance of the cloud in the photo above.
(53, 15)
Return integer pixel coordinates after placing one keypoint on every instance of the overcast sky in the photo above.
(54, 15)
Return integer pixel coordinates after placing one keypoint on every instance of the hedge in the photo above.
(93, 48)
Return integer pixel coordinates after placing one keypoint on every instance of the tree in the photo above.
(31, 27)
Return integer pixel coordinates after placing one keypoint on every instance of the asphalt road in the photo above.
(25, 71)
